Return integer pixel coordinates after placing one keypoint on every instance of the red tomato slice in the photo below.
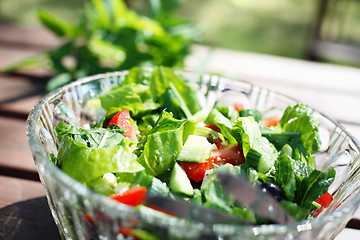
(324, 201)
(196, 171)
(213, 127)
(271, 121)
(132, 197)
(232, 155)
(123, 120)
(238, 107)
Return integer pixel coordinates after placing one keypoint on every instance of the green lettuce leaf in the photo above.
(262, 153)
(168, 89)
(161, 146)
(215, 117)
(84, 163)
(89, 154)
(300, 119)
(136, 98)
(94, 138)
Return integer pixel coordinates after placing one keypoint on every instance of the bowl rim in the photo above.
(81, 189)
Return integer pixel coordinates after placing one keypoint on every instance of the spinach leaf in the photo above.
(314, 186)
(279, 139)
(297, 212)
(159, 149)
(285, 176)
(256, 114)
(215, 195)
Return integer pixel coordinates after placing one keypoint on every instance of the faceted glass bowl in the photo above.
(82, 214)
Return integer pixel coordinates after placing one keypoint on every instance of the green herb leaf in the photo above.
(57, 26)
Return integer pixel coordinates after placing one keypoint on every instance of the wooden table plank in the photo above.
(18, 95)
(24, 212)
(30, 38)
(17, 44)
(15, 158)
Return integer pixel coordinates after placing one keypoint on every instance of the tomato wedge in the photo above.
(271, 121)
(132, 197)
(324, 201)
(232, 155)
(123, 120)
(238, 107)
(196, 171)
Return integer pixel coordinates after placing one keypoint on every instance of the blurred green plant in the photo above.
(110, 36)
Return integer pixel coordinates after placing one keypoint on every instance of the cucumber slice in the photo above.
(195, 149)
(179, 182)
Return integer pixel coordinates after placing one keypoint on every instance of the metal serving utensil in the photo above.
(263, 204)
(182, 208)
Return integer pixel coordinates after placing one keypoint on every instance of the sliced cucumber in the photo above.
(179, 182)
(195, 149)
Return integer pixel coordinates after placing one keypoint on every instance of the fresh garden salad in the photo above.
(157, 137)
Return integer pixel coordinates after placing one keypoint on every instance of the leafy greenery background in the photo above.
(277, 27)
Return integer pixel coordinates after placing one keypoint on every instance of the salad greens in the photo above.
(179, 147)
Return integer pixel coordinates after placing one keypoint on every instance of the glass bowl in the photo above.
(83, 214)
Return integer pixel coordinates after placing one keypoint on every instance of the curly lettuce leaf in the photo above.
(88, 154)
(84, 163)
(94, 138)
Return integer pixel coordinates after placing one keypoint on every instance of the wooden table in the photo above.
(24, 213)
